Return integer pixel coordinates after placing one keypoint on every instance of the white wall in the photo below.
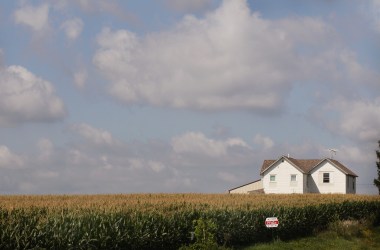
(338, 182)
(283, 170)
(247, 188)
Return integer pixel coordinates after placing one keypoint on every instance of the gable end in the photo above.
(337, 165)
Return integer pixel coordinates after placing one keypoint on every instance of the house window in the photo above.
(293, 177)
(326, 177)
(272, 178)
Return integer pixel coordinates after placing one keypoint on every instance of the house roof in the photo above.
(306, 165)
(343, 168)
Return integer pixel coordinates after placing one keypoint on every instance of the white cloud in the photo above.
(135, 163)
(9, 159)
(27, 98)
(94, 135)
(156, 166)
(80, 78)
(141, 164)
(198, 143)
(73, 28)
(79, 158)
(357, 156)
(263, 141)
(209, 64)
(355, 119)
(230, 59)
(36, 18)
(82, 168)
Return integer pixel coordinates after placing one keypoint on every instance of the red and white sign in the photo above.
(271, 222)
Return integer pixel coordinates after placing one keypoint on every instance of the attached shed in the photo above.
(249, 188)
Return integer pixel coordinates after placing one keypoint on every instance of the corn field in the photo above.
(165, 221)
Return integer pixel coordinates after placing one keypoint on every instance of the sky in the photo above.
(176, 96)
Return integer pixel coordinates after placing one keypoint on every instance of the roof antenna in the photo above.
(332, 152)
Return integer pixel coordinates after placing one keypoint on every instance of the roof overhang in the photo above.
(281, 159)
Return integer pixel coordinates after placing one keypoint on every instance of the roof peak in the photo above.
(306, 165)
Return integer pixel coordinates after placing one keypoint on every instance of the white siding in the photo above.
(337, 182)
(283, 184)
(247, 188)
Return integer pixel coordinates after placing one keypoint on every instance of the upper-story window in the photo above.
(272, 177)
(326, 177)
(293, 177)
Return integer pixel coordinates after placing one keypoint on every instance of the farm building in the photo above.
(288, 175)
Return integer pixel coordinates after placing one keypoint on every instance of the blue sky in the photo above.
(183, 96)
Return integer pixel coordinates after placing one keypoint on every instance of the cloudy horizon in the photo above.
(183, 96)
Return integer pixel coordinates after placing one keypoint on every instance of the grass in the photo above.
(353, 238)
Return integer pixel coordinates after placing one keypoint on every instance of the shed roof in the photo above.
(244, 185)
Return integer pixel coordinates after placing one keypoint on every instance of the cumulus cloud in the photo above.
(94, 135)
(34, 17)
(357, 156)
(145, 167)
(209, 64)
(230, 59)
(140, 163)
(264, 141)
(80, 78)
(73, 28)
(355, 119)
(198, 143)
(27, 98)
(9, 159)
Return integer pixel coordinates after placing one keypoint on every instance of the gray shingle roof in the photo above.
(306, 165)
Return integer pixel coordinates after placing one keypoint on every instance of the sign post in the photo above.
(271, 222)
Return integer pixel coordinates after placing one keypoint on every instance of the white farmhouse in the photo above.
(287, 175)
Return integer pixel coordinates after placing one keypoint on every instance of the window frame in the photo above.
(272, 176)
(326, 178)
(291, 178)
